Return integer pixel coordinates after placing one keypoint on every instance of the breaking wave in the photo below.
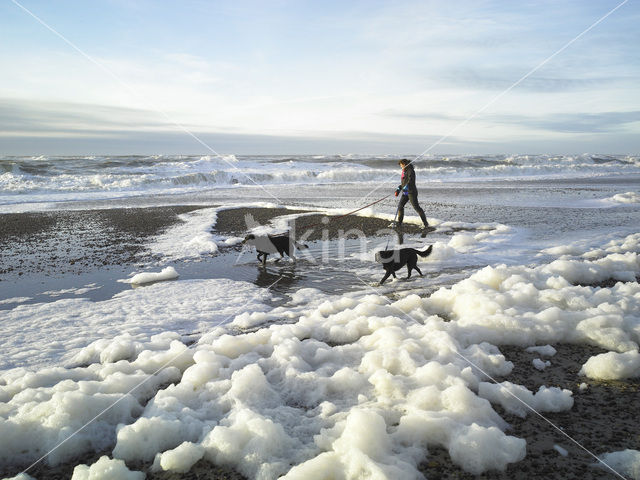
(133, 175)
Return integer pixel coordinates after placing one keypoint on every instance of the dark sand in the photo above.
(602, 418)
(202, 470)
(311, 227)
(60, 242)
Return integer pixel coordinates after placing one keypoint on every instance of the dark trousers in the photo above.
(413, 198)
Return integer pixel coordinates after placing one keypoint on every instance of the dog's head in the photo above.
(383, 256)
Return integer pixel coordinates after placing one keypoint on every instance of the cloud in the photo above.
(421, 116)
(30, 127)
(28, 117)
(60, 128)
(502, 78)
(125, 142)
(601, 122)
(146, 143)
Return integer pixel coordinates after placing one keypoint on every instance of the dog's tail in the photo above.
(301, 246)
(426, 253)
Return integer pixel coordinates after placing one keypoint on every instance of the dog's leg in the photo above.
(412, 264)
(408, 272)
(264, 259)
(386, 275)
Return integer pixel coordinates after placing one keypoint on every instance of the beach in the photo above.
(319, 240)
(228, 369)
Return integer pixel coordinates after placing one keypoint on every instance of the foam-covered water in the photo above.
(44, 179)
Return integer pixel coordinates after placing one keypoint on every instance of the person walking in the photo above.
(409, 192)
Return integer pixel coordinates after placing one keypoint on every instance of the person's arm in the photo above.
(410, 177)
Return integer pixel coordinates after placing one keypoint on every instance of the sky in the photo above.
(294, 77)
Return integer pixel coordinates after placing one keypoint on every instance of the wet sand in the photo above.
(310, 227)
(602, 418)
(59, 242)
(202, 470)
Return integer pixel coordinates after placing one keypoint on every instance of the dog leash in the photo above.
(353, 211)
(394, 222)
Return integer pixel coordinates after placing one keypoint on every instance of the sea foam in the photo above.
(355, 385)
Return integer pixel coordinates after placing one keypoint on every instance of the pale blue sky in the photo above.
(318, 77)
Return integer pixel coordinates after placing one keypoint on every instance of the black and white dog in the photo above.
(270, 244)
(394, 260)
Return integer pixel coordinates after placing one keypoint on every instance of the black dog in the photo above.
(394, 260)
(268, 244)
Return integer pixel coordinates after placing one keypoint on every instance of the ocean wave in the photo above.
(627, 197)
(140, 174)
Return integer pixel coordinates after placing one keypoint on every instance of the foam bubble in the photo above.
(478, 449)
(544, 350)
(106, 469)
(613, 366)
(625, 462)
(180, 459)
(539, 364)
(520, 401)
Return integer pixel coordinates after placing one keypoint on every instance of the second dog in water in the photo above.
(268, 244)
(394, 260)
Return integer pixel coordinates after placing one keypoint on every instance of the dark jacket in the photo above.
(408, 179)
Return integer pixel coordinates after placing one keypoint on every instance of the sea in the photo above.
(300, 368)
(50, 182)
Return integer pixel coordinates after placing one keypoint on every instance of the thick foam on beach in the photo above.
(194, 237)
(52, 333)
(167, 273)
(357, 385)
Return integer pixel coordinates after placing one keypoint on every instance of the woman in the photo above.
(409, 193)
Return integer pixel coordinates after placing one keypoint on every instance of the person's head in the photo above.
(403, 162)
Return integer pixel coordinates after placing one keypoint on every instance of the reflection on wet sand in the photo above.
(281, 278)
